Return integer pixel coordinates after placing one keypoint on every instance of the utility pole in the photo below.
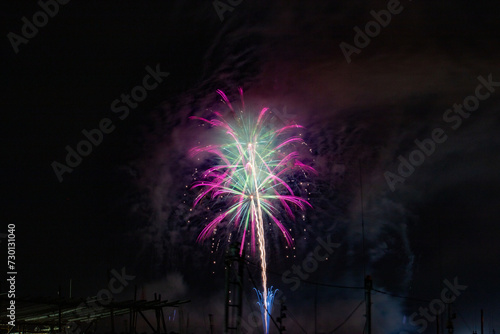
(282, 316)
(368, 302)
(482, 322)
(60, 315)
(316, 310)
(211, 321)
(451, 316)
(449, 325)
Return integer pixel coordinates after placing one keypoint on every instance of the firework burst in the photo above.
(249, 178)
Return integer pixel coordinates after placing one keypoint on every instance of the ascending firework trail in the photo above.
(248, 179)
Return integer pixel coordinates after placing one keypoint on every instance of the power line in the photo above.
(293, 318)
(463, 319)
(348, 317)
(347, 287)
(250, 306)
(311, 282)
(332, 285)
(399, 296)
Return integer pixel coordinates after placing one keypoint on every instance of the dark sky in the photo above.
(123, 205)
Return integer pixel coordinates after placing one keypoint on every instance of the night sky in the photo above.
(430, 76)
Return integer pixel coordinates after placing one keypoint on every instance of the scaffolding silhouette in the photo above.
(234, 265)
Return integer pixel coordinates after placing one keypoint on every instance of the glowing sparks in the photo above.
(249, 178)
(266, 306)
(250, 174)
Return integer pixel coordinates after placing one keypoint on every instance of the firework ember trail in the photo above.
(248, 179)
